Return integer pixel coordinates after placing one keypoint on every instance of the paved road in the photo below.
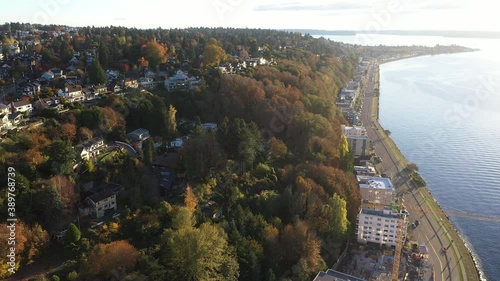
(429, 232)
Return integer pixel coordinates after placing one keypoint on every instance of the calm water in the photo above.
(444, 114)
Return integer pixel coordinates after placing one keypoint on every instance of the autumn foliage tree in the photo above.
(155, 53)
(112, 260)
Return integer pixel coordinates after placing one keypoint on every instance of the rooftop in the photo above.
(101, 195)
(374, 182)
(386, 213)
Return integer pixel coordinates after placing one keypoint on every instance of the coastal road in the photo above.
(447, 266)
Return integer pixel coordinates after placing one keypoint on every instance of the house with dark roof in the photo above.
(101, 203)
(21, 106)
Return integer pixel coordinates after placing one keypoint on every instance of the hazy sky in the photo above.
(276, 14)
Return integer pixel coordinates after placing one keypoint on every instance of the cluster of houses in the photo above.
(348, 96)
(235, 67)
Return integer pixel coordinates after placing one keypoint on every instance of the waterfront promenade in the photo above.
(435, 230)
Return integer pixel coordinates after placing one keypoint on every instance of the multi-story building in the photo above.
(101, 203)
(357, 139)
(376, 190)
(380, 226)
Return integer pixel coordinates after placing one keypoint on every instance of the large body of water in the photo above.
(444, 114)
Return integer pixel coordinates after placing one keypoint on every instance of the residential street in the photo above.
(447, 265)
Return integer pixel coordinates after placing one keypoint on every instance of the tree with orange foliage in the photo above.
(112, 260)
(190, 199)
(155, 53)
(68, 131)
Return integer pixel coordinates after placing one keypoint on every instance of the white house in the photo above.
(21, 106)
(380, 226)
(180, 81)
(72, 94)
(130, 83)
(91, 148)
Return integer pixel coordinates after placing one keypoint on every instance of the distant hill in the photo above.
(444, 33)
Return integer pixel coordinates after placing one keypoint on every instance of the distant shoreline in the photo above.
(438, 33)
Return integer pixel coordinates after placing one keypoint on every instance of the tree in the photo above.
(172, 123)
(97, 74)
(84, 134)
(103, 54)
(277, 148)
(68, 131)
(73, 234)
(346, 156)
(61, 155)
(155, 53)
(213, 54)
(199, 254)
(113, 259)
(149, 150)
(190, 199)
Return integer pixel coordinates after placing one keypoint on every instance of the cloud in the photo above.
(310, 7)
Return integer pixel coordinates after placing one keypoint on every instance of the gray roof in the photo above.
(101, 196)
(332, 275)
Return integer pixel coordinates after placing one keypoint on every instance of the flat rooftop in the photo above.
(380, 213)
(375, 182)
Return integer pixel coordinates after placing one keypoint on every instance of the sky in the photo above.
(366, 15)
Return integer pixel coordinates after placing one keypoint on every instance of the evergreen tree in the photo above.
(97, 74)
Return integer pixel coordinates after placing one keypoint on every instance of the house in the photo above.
(366, 170)
(72, 94)
(146, 82)
(21, 106)
(357, 139)
(5, 122)
(177, 82)
(89, 94)
(101, 203)
(130, 83)
(58, 73)
(48, 75)
(114, 88)
(100, 89)
(112, 74)
(380, 226)
(15, 118)
(209, 126)
(4, 109)
(52, 103)
(14, 49)
(31, 89)
(376, 190)
(138, 136)
(91, 148)
(333, 275)
(179, 142)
